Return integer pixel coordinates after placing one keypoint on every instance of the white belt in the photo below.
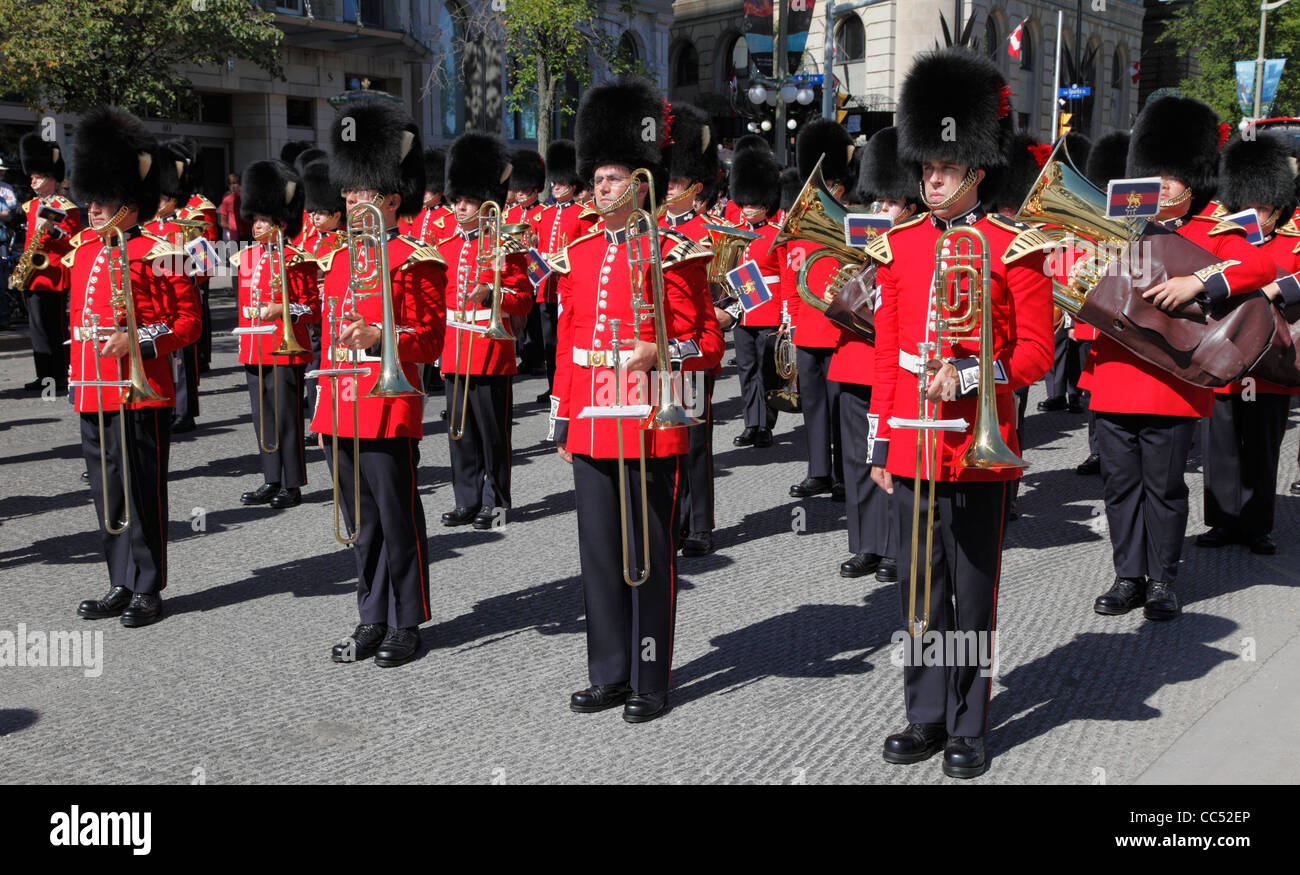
(470, 316)
(910, 363)
(599, 358)
(86, 333)
(339, 354)
(252, 312)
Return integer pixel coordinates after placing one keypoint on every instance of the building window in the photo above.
(1026, 48)
(627, 51)
(215, 109)
(300, 112)
(1117, 103)
(850, 39)
(739, 58)
(992, 42)
(451, 39)
(686, 69)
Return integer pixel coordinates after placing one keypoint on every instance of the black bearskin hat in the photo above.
(273, 189)
(116, 159)
(41, 156)
(319, 193)
(751, 141)
(374, 145)
(613, 124)
(1257, 171)
(562, 163)
(1025, 159)
(692, 155)
(290, 151)
(435, 170)
(477, 168)
(176, 173)
(1178, 137)
(880, 172)
(308, 156)
(527, 170)
(1107, 159)
(756, 179)
(955, 105)
(791, 185)
(827, 137)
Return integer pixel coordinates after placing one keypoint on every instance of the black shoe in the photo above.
(288, 497)
(1089, 466)
(35, 385)
(1123, 596)
(763, 438)
(183, 424)
(1295, 487)
(1216, 537)
(599, 698)
(644, 707)
(746, 437)
(1162, 601)
(963, 757)
(698, 544)
(145, 609)
(1013, 510)
(811, 486)
(837, 492)
(919, 741)
(486, 519)
(85, 476)
(1263, 545)
(860, 565)
(544, 398)
(459, 516)
(1053, 404)
(109, 606)
(261, 495)
(1076, 406)
(400, 646)
(361, 644)
(888, 571)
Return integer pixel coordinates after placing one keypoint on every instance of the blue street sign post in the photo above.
(1074, 92)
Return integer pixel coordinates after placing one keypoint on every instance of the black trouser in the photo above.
(1243, 441)
(695, 506)
(629, 629)
(137, 558)
(549, 319)
(749, 361)
(1143, 461)
(870, 522)
(185, 376)
(965, 564)
(205, 339)
(392, 545)
(309, 409)
(1085, 397)
(47, 316)
(1063, 378)
(819, 399)
(480, 459)
(286, 465)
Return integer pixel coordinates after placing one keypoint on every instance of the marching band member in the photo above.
(115, 168)
(1145, 416)
(480, 454)
(273, 199)
(375, 158)
(947, 705)
(521, 206)
(815, 336)
(49, 238)
(629, 629)
(873, 537)
(324, 208)
(435, 222)
(1243, 434)
(756, 191)
(199, 209)
(305, 239)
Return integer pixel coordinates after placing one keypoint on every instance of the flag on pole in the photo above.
(1013, 42)
(861, 228)
(1135, 72)
(748, 282)
(538, 269)
(1133, 198)
(1248, 219)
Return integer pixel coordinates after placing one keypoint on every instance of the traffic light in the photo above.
(840, 113)
(1064, 124)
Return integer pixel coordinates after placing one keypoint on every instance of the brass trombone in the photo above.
(960, 310)
(490, 255)
(133, 390)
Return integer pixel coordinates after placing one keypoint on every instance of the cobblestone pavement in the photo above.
(783, 670)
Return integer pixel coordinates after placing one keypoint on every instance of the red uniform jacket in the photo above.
(460, 252)
(199, 208)
(596, 289)
(812, 328)
(432, 224)
(167, 316)
(559, 225)
(689, 223)
(418, 278)
(530, 215)
(769, 258)
(1021, 300)
(300, 271)
(55, 276)
(1282, 249)
(1120, 382)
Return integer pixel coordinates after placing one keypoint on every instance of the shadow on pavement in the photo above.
(553, 608)
(16, 720)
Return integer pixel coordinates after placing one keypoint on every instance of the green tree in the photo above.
(69, 55)
(1216, 33)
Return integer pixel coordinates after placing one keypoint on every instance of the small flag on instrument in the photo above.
(538, 269)
(861, 228)
(1248, 219)
(750, 288)
(1133, 198)
(203, 259)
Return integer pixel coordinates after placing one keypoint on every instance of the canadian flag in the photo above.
(1013, 45)
(1135, 72)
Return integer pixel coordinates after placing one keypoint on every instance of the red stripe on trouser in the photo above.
(162, 521)
(993, 625)
(672, 573)
(419, 546)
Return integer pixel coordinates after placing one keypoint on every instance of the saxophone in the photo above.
(32, 259)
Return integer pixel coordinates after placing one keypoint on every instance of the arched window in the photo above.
(686, 66)
(1118, 77)
(1026, 48)
(451, 38)
(992, 40)
(850, 39)
(627, 50)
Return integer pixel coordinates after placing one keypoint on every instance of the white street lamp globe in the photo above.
(792, 124)
(770, 100)
(788, 92)
(767, 125)
(805, 96)
(757, 94)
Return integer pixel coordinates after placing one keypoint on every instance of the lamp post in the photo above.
(1264, 8)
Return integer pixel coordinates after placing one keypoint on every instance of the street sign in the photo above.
(1075, 91)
